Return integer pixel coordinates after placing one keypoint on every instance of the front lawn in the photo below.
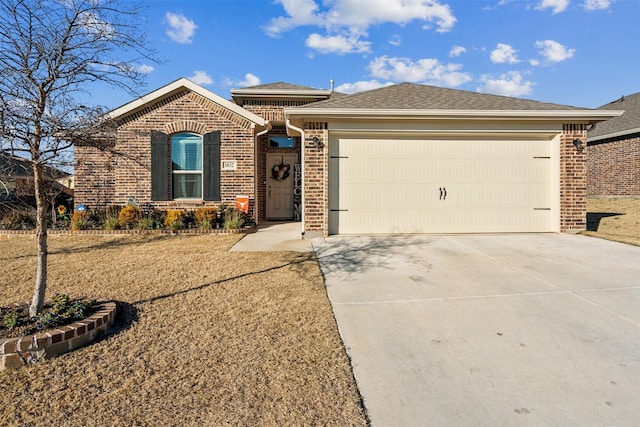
(207, 337)
(615, 219)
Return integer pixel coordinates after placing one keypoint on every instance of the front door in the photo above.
(280, 185)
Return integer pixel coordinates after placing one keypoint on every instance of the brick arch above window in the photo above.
(185, 126)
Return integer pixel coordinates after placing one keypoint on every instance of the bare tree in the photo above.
(52, 52)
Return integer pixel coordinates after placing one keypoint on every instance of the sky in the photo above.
(583, 53)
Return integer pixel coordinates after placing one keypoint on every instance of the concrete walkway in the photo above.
(489, 330)
(274, 236)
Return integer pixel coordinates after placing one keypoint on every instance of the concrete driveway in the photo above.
(518, 329)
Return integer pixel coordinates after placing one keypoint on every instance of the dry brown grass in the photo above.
(211, 338)
(614, 219)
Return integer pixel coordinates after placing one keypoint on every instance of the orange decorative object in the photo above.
(242, 203)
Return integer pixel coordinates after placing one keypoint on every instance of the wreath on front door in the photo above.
(280, 172)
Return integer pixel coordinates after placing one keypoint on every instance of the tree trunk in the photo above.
(41, 234)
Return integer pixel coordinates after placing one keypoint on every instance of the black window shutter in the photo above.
(211, 166)
(159, 166)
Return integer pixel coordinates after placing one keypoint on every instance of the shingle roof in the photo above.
(410, 96)
(629, 122)
(280, 86)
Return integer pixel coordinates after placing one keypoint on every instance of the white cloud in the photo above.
(457, 51)
(145, 69)
(201, 78)
(337, 44)
(350, 18)
(553, 51)
(504, 53)
(249, 80)
(395, 40)
(557, 6)
(361, 86)
(597, 4)
(428, 70)
(534, 62)
(181, 29)
(300, 13)
(509, 84)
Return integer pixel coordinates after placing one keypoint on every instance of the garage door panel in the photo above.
(397, 186)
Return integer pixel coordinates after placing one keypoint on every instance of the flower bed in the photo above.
(29, 349)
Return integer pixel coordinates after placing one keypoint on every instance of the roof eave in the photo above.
(592, 116)
(270, 93)
(176, 85)
(614, 134)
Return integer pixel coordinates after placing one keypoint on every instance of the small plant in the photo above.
(233, 219)
(111, 223)
(81, 221)
(205, 217)
(175, 219)
(129, 216)
(145, 224)
(60, 310)
(11, 320)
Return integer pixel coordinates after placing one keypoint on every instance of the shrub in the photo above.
(205, 217)
(233, 219)
(111, 223)
(129, 216)
(175, 219)
(145, 224)
(81, 221)
(17, 219)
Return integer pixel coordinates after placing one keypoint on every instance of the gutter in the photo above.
(371, 113)
(302, 199)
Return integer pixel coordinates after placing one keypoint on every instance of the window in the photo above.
(282, 142)
(186, 166)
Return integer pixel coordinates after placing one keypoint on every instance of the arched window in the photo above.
(186, 166)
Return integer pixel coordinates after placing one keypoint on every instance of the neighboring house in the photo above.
(401, 159)
(613, 160)
(16, 180)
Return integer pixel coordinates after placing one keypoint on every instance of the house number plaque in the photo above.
(229, 165)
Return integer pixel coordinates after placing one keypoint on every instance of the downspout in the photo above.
(302, 201)
(256, 161)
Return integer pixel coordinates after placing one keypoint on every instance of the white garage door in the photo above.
(439, 186)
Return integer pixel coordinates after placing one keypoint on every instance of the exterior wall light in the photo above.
(316, 143)
(579, 145)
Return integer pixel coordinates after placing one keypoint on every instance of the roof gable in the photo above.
(627, 123)
(177, 85)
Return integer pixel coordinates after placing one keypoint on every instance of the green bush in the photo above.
(233, 219)
(145, 224)
(111, 223)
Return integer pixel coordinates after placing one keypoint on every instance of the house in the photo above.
(16, 180)
(613, 160)
(406, 158)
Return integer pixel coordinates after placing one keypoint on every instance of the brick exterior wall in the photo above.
(573, 210)
(573, 179)
(316, 181)
(613, 167)
(104, 179)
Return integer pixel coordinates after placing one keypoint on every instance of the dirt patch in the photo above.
(209, 337)
(614, 219)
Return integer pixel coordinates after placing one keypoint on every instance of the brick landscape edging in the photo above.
(4, 234)
(17, 352)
